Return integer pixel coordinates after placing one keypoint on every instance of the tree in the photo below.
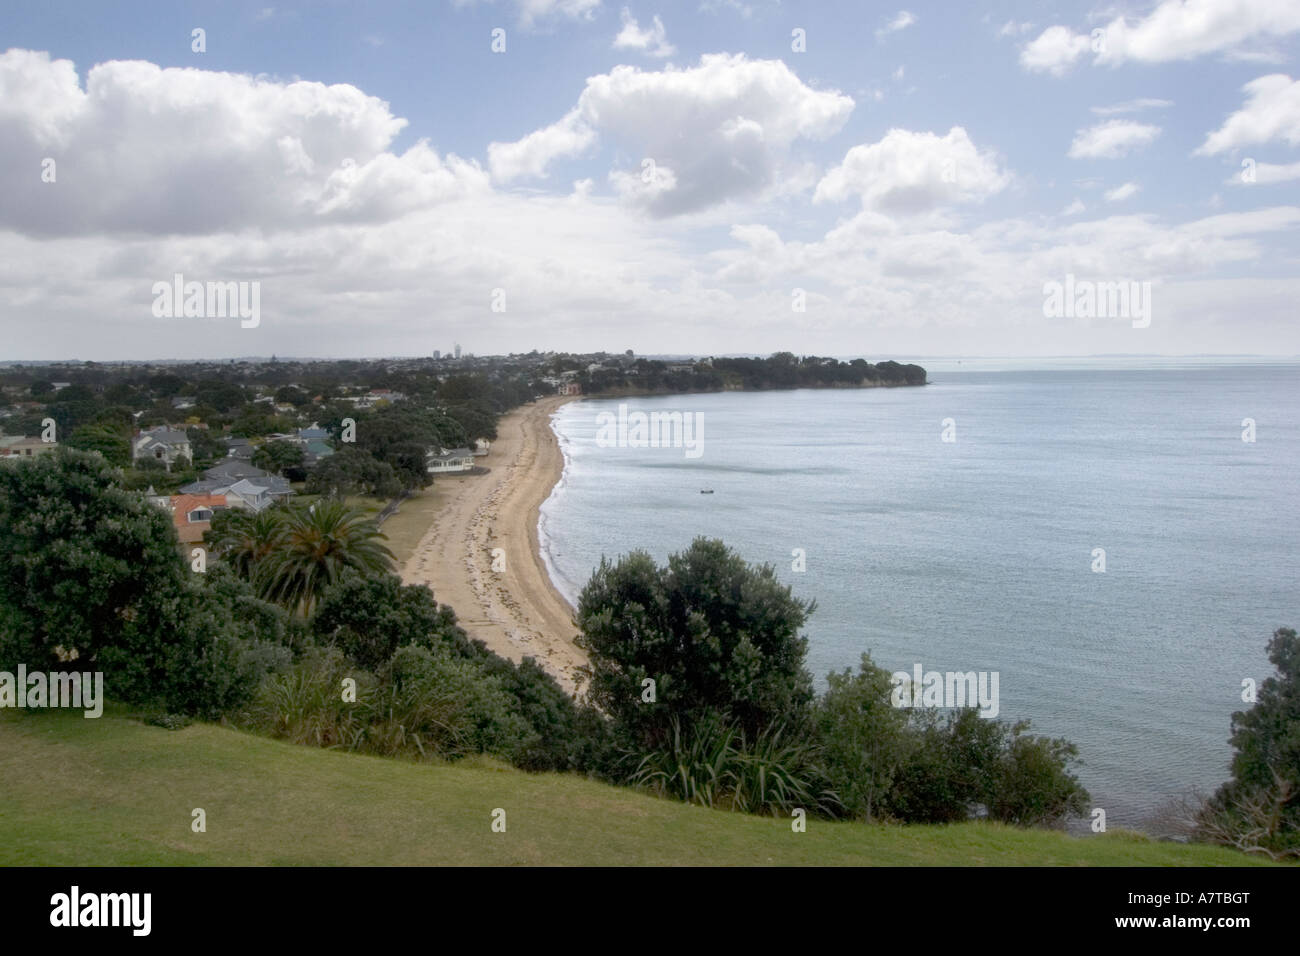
(91, 578)
(369, 616)
(243, 539)
(351, 471)
(863, 737)
(313, 548)
(1259, 808)
(277, 456)
(953, 767)
(40, 388)
(712, 632)
(108, 441)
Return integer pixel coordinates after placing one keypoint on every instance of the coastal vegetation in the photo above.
(696, 690)
(700, 665)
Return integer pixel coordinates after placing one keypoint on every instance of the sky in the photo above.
(716, 177)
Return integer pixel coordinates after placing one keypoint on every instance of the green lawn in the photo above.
(115, 791)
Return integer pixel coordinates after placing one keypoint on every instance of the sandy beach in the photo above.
(517, 612)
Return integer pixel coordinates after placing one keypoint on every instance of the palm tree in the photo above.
(313, 548)
(244, 538)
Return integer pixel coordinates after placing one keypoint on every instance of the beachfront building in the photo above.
(450, 461)
(568, 388)
(481, 447)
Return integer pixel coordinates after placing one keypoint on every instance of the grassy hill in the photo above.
(115, 791)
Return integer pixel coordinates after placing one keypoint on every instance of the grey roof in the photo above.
(310, 433)
(165, 435)
(204, 486)
(234, 469)
(455, 453)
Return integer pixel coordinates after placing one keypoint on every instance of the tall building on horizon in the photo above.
(457, 350)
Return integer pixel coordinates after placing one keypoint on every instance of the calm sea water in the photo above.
(978, 554)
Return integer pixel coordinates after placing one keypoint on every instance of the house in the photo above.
(251, 496)
(21, 447)
(455, 460)
(240, 448)
(314, 451)
(192, 515)
(163, 443)
(568, 388)
(481, 447)
(258, 487)
(182, 402)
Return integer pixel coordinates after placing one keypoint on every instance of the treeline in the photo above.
(101, 407)
(782, 370)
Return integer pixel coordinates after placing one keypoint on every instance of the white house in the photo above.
(161, 444)
(455, 460)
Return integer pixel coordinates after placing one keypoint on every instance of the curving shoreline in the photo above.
(517, 612)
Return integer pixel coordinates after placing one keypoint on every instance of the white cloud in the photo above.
(901, 21)
(1132, 106)
(653, 41)
(1112, 139)
(1074, 208)
(1055, 50)
(1013, 29)
(1271, 112)
(1174, 30)
(529, 13)
(908, 172)
(1120, 193)
(531, 156)
(724, 128)
(149, 150)
(898, 75)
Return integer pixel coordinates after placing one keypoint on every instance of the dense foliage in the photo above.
(1259, 808)
(91, 578)
(712, 633)
(733, 721)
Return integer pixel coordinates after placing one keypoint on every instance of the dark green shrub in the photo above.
(714, 633)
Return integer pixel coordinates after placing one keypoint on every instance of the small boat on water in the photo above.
(706, 491)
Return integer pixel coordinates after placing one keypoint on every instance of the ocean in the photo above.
(981, 552)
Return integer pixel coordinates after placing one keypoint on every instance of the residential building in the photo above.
(453, 460)
(163, 443)
(19, 446)
(192, 515)
(259, 487)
